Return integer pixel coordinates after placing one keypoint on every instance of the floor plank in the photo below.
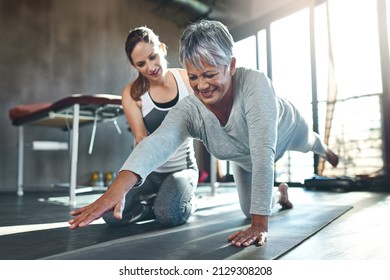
(360, 234)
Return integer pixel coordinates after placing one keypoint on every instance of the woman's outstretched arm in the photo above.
(113, 198)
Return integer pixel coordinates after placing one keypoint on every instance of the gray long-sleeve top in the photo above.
(257, 133)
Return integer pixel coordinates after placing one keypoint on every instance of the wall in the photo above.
(50, 49)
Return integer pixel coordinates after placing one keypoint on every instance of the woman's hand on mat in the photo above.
(256, 233)
(113, 198)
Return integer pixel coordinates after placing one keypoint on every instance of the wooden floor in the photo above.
(360, 234)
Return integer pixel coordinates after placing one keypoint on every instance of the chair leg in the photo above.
(74, 154)
(93, 134)
(20, 160)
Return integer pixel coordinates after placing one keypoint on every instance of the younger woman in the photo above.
(167, 193)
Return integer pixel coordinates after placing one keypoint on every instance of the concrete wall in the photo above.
(50, 49)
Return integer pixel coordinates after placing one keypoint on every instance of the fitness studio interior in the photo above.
(65, 135)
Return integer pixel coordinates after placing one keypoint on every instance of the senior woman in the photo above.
(238, 117)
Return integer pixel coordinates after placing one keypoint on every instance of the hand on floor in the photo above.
(249, 236)
(108, 201)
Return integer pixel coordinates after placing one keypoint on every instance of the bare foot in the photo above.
(332, 158)
(283, 200)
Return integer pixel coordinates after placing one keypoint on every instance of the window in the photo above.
(262, 52)
(345, 76)
(291, 76)
(245, 52)
(349, 74)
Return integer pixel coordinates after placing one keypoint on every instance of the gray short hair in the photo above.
(206, 40)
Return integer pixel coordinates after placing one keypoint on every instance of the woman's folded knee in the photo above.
(173, 217)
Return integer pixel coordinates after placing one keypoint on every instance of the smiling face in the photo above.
(212, 84)
(146, 58)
